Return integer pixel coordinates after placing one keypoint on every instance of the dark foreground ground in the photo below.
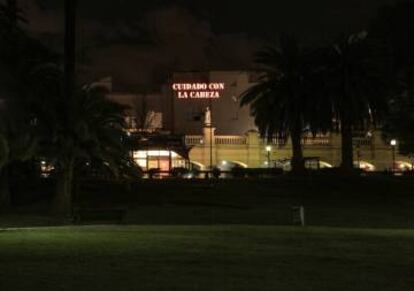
(225, 235)
(206, 258)
(369, 202)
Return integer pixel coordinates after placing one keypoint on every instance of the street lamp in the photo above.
(393, 144)
(268, 150)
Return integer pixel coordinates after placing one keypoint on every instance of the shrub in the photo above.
(409, 173)
(152, 173)
(216, 172)
(275, 172)
(238, 172)
(179, 172)
(195, 173)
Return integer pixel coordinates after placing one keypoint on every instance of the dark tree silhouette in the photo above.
(279, 101)
(11, 17)
(19, 56)
(83, 129)
(394, 29)
(18, 142)
(354, 88)
(70, 47)
(399, 124)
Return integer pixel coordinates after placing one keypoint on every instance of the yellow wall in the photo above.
(251, 151)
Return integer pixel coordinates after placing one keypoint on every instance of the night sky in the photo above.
(137, 42)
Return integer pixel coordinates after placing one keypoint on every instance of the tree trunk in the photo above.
(347, 164)
(5, 199)
(70, 47)
(297, 163)
(347, 147)
(62, 204)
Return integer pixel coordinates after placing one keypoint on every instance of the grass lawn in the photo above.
(206, 258)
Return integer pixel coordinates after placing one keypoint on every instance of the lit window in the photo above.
(161, 154)
(140, 155)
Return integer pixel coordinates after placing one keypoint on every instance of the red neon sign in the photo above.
(198, 90)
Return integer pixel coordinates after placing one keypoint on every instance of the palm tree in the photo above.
(355, 90)
(399, 124)
(83, 129)
(394, 28)
(280, 101)
(93, 131)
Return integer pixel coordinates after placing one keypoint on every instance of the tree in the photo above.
(83, 129)
(19, 56)
(11, 16)
(394, 28)
(17, 143)
(70, 48)
(11, 36)
(280, 100)
(86, 128)
(399, 123)
(354, 88)
(20, 53)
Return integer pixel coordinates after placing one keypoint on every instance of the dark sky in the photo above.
(137, 41)
(259, 17)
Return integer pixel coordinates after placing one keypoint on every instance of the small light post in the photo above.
(393, 144)
(269, 151)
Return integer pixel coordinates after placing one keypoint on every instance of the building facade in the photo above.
(229, 137)
(371, 153)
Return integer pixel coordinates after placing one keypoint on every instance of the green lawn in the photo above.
(221, 235)
(206, 258)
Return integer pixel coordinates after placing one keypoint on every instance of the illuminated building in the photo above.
(232, 138)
